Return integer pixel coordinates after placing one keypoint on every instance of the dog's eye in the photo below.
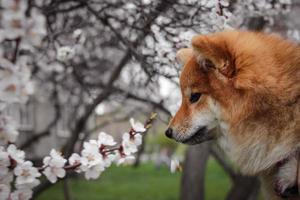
(206, 64)
(195, 97)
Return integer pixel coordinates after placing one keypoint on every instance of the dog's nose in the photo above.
(169, 133)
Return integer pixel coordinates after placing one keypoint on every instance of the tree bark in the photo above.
(193, 177)
(68, 148)
(67, 192)
(161, 7)
(244, 187)
(139, 153)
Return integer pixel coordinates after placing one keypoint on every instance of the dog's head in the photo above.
(226, 78)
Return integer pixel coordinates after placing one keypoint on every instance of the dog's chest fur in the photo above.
(255, 154)
(254, 146)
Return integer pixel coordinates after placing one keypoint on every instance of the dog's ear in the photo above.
(215, 51)
(184, 55)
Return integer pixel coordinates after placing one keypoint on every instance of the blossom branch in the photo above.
(16, 50)
(23, 27)
(96, 156)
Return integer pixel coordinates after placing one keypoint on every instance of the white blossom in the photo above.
(15, 84)
(79, 36)
(8, 80)
(108, 159)
(65, 53)
(14, 5)
(16, 154)
(13, 23)
(130, 6)
(129, 147)
(93, 172)
(26, 173)
(4, 163)
(54, 166)
(122, 159)
(175, 165)
(92, 161)
(16, 25)
(146, 2)
(294, 35)
(131, 142)
(14, 80)
(75, 159)
(6, 178)
(105, 139)
(8, 131)
(21, 194)
(35, 30)
(91, 152)
(77, 33)
(224, 3)
(30, 185)
(137, 126)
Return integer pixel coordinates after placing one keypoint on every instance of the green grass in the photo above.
(217, 182)
(144, 182)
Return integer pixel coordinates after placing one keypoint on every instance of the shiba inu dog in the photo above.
(247, 84)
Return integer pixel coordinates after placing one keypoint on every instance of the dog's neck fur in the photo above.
(272, 143)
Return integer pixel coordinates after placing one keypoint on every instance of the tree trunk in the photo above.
(139, 153)
(67, 192)
(193, 177)
(244, 187)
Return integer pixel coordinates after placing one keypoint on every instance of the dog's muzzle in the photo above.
(201, 135)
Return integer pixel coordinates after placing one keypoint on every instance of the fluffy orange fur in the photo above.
(256, 83)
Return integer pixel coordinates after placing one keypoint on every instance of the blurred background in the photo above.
(104, 61)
